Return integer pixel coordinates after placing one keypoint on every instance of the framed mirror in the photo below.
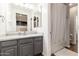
(21, 17)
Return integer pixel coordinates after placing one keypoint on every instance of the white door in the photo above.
(58, 26)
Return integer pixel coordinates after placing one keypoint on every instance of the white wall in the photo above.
(45, 29)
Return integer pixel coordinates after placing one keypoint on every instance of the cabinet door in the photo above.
(38, 45)
(26, 49)
(9, 51)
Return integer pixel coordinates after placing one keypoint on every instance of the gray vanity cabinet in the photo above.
(38, 45)
(26, 47)
(8, 48)
(9, 51)
(22, 47)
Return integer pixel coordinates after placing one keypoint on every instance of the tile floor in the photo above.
(66, 52)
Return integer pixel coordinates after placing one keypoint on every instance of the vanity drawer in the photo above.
(8, 43)
(26, 40)
(39, 38)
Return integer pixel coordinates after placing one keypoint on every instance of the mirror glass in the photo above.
(19, 17)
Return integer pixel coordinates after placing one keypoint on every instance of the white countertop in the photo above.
(12, 37)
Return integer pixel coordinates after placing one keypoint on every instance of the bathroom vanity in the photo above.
(17, 36)
(29, 45)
